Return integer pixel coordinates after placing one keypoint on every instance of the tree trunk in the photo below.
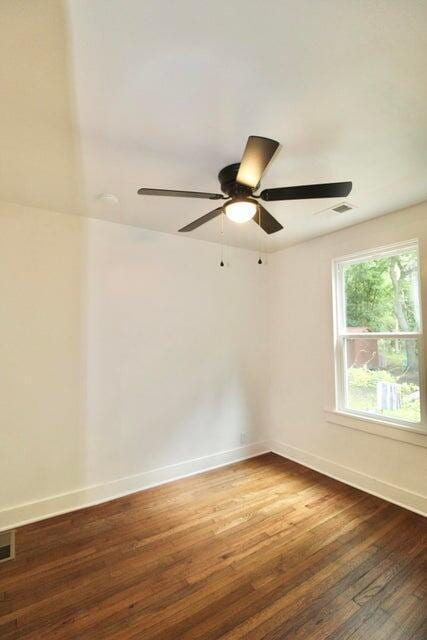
(411, 373)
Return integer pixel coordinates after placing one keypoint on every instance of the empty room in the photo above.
(213, 286)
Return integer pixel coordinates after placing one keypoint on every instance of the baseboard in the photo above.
(14, 517)
(402, 497)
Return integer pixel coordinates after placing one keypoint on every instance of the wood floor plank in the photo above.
(262, 549)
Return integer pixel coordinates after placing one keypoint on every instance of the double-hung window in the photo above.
(378, 334)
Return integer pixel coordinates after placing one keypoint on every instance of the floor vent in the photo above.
(7, 546)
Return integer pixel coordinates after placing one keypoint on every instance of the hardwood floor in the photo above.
(260, 549)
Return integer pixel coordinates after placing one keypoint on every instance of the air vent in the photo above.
(342, 208)
(7, 545)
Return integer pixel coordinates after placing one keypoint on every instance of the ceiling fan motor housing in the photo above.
(227, 179)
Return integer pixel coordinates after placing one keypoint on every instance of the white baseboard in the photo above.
(41, 509)
(14, 517)
(402, 497)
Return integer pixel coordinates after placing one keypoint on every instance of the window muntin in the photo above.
(378, 334)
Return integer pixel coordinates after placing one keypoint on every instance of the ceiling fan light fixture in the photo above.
(241, 210)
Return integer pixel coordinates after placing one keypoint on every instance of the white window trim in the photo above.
(412, 435)
(415, 433)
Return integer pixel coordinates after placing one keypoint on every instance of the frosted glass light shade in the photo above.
(240, 211)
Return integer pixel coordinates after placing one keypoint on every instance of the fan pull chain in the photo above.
(260, 239)
(221, 264)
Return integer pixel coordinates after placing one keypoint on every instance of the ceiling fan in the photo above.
(239, 181)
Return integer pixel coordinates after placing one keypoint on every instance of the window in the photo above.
(378, 334)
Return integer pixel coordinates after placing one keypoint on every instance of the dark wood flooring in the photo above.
(260, 549)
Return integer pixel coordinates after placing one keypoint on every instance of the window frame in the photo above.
(341, 336)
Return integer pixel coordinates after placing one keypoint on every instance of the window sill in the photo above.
(412, 435)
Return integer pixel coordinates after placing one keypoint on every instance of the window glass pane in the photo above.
(382, 294)
(383, 377)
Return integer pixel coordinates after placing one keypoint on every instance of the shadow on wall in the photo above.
(43, 258)
(40, 160)
(119, 357)
(42, 387)
(123, 350)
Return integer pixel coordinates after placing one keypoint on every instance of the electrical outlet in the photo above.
(243, 437)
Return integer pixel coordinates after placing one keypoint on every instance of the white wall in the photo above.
(123, 351)
(129, 357)
(302, 363)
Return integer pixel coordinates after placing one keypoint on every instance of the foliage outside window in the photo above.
(378, 332)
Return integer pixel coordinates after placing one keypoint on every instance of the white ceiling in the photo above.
(110, 95)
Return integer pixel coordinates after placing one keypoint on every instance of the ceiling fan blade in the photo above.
(266, 221)
(179, 194)
(256, 157)
(197, 223)
(328, 190)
